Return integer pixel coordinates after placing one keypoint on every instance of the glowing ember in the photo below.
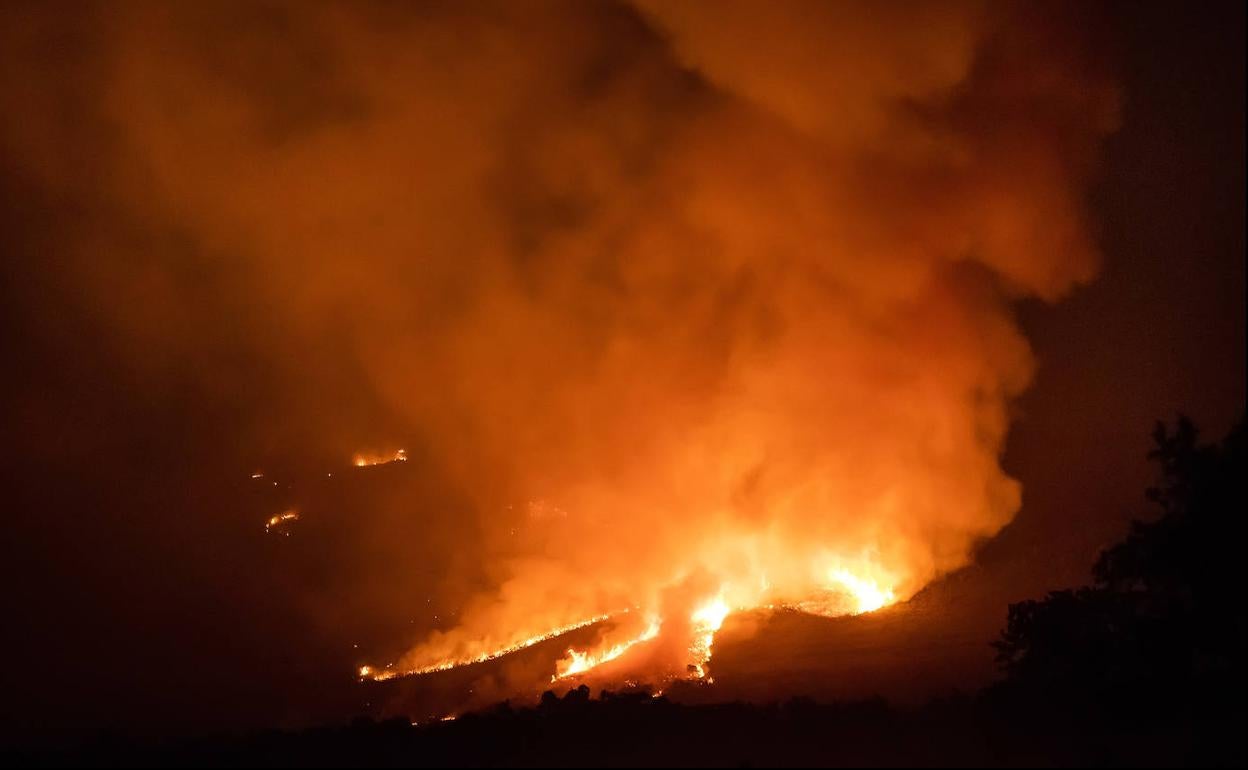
(365, 459)
(274, 522)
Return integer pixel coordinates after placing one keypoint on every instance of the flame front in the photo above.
(365, 459)
(739, 312)
(867, 594)
(577, 662)
(831, 591)
(276, 521)
(389, 671)
(731, 285)
(706, 620)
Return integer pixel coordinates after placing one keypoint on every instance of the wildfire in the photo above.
(738, 320)
(365, 459)
(867, 594)
(445, 665)
(276, 521)
(706, 620)
(864, 594)
(578, 662)
(832, 586)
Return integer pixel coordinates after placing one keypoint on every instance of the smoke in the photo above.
(689, 299)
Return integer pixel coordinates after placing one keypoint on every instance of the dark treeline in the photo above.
(1161, 630)
(1143, 667)
(638, 730)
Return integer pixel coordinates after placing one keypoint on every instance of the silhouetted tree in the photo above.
(1164, 621)
(577, 695)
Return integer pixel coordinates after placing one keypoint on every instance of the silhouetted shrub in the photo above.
(1163, 626)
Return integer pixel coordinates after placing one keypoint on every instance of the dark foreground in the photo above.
(636, 729)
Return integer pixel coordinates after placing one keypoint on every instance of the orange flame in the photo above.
(579, 662)
(832, 586)
(276, 521)
(368, 672)
(868, 595)
(365, 459)
(706, 620)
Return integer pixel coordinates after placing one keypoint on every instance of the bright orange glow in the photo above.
(274, 522)
(365, 459)
(823, 584)
(706, 620)
(721, 321)
(850, 593)
(578, 662)
(444, 665)
(868, 595)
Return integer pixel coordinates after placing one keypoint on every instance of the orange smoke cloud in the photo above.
(725, 286)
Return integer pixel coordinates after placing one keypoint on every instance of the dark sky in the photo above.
(1162, 329)
(141, 591)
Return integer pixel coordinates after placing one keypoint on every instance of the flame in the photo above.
(279, 519)
(708, 374)
(706, 620)
(868, 595)
(449, 663)
(579, 662)
(827, 585)
(365, 459)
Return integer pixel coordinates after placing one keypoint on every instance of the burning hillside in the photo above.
(725, 289)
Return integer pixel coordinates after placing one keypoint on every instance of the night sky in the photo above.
(205, 275)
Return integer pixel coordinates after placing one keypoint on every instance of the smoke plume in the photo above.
(693, 302)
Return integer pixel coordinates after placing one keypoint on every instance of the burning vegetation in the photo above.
(279, 523)
(692, 637)
(365, 459)
(730, 291)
